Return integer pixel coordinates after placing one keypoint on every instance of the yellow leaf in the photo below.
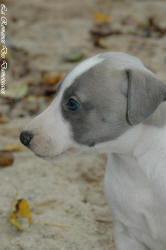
(14, 221)
(101, 18)
(19, 208)
(51, 78)
(13, 148)
(22, 208)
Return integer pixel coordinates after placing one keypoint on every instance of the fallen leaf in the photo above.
(13, 148)
(51, 78)
(6, 158)
(17, 91)
(4, 118)
(22, 208)
(103, 30)
(74, 56)
(99, 42)
(14, 221)
(101, 17)
(19, 208)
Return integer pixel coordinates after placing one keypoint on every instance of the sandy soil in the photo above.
(68, 191)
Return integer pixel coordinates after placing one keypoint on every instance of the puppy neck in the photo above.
(124, 144)
(158, 118)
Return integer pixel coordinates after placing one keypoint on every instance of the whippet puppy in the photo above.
(113, 103)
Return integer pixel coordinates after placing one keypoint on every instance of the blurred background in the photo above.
(45, 40)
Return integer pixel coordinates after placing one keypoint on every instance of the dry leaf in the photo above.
(13, 148)
(99, 42)
(103, 30)
(6, 158)
(102, 26)
(51, 78)
(3, 118)
(14, 221)
(22, 208)
(19, 208)
(101, 18)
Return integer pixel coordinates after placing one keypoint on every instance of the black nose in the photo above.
(25, 137)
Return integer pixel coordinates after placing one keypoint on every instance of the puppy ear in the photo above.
(145, 92)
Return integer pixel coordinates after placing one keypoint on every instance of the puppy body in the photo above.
(135, 188)
(120, 110)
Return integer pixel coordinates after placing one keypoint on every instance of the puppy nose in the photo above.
(25, 137)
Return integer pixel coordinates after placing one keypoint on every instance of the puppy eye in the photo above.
(72, 104)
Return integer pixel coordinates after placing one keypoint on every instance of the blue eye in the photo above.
(72, 104)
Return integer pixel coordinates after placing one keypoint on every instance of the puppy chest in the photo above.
(132, 200)
(127, 196)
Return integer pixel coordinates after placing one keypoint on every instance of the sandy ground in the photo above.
(68, 191)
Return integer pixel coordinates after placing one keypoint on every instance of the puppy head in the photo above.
(96, 103)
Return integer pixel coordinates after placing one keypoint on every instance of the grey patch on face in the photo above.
(112, 98)
(101, 115)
